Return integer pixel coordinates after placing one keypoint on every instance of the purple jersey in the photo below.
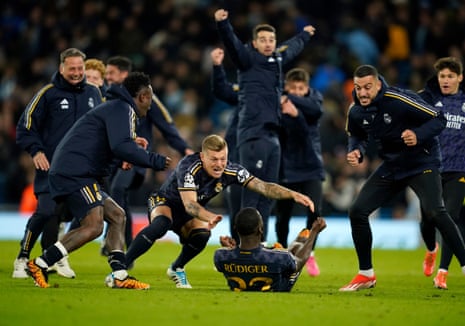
(259, 269)
(452, 138)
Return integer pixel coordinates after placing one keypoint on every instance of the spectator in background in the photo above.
(44, 122)
(446, 93)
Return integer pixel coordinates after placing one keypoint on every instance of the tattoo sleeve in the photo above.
(270, 189)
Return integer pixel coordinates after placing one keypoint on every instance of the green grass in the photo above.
(403, 295)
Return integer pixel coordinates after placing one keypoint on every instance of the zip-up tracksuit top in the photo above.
(260, 80)
(452, 138)
(300, 137)
(102, 134)
(49, 115)
(393, 111)
(300, 140)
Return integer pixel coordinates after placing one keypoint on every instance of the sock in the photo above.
(368, 272)
(54, 253)
(147, 237)
(120, 274)
(194, 244)
(117, 260)
(34, 228)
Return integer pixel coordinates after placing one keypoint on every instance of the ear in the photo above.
(460, 78)
(254, 44)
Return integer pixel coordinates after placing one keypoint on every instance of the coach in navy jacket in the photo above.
(49, 115)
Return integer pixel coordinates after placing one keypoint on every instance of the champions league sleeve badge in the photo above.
(189, 181)
(242, 175)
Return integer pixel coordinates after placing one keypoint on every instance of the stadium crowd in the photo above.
(171, 40)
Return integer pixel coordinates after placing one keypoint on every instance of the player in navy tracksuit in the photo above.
(180, 203)
(248, 266)
(46, 119)
(405, 130)
(446, 92)
(82, 158)
(125, 180)
(117, 69)
(301, 160)
(260, 82)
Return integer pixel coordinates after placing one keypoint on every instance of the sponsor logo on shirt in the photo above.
(454, 121)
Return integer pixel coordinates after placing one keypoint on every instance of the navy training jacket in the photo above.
(391, 112)
(49, 115)
(300, 136)
(101, 135)
(260, 80)
(300, 140)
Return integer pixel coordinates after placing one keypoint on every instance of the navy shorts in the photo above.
(178, 213)
(83, 200)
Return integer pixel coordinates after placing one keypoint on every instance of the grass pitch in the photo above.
(403, 296)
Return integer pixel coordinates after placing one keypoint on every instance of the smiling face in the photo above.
(449, 81)
(366, 88)
(72, 69)
(94, 76)
(214, 162)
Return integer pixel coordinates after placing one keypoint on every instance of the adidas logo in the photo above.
(64, 104)
(462, 180)
(439, 104)
(365, 122)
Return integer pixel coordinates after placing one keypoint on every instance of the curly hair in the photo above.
(135, 82)
(95, 64)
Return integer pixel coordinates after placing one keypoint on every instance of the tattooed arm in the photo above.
(275, 191)
(193, 208)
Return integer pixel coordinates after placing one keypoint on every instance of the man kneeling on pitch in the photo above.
(251, 267)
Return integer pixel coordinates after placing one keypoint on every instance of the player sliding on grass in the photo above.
(251, 267)
(180, 202)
